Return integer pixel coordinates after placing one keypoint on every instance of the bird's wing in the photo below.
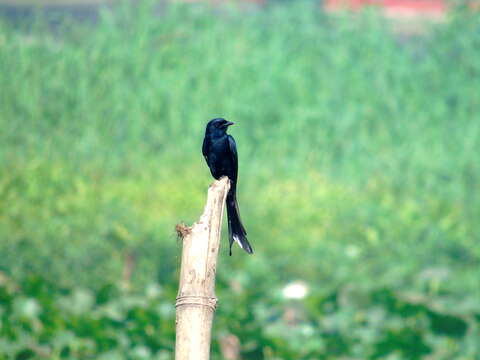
(233, 153)
(204, 149)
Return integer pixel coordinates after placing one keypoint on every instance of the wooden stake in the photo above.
(196, 301)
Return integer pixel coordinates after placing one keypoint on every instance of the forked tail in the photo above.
(236, 231)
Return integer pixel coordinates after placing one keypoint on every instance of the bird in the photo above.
(220, 152)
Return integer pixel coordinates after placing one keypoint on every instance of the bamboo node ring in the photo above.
(206, 301)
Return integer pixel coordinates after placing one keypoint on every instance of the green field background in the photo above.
(359, 178)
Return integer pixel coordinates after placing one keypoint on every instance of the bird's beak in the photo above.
(229, 123)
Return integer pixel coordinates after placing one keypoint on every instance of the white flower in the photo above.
(295, 290)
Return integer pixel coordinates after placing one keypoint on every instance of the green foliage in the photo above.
(358, 176)
(41, 320)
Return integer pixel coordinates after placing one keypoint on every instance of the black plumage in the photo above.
(220, 152)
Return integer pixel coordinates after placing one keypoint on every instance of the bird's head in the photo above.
(218, 125)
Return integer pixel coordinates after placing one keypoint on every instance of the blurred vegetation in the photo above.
(359, 176)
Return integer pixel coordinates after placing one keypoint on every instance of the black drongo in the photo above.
(220, 152)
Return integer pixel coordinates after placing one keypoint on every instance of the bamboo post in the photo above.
(196, 301)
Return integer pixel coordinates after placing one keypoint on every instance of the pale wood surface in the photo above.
(196, 301)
